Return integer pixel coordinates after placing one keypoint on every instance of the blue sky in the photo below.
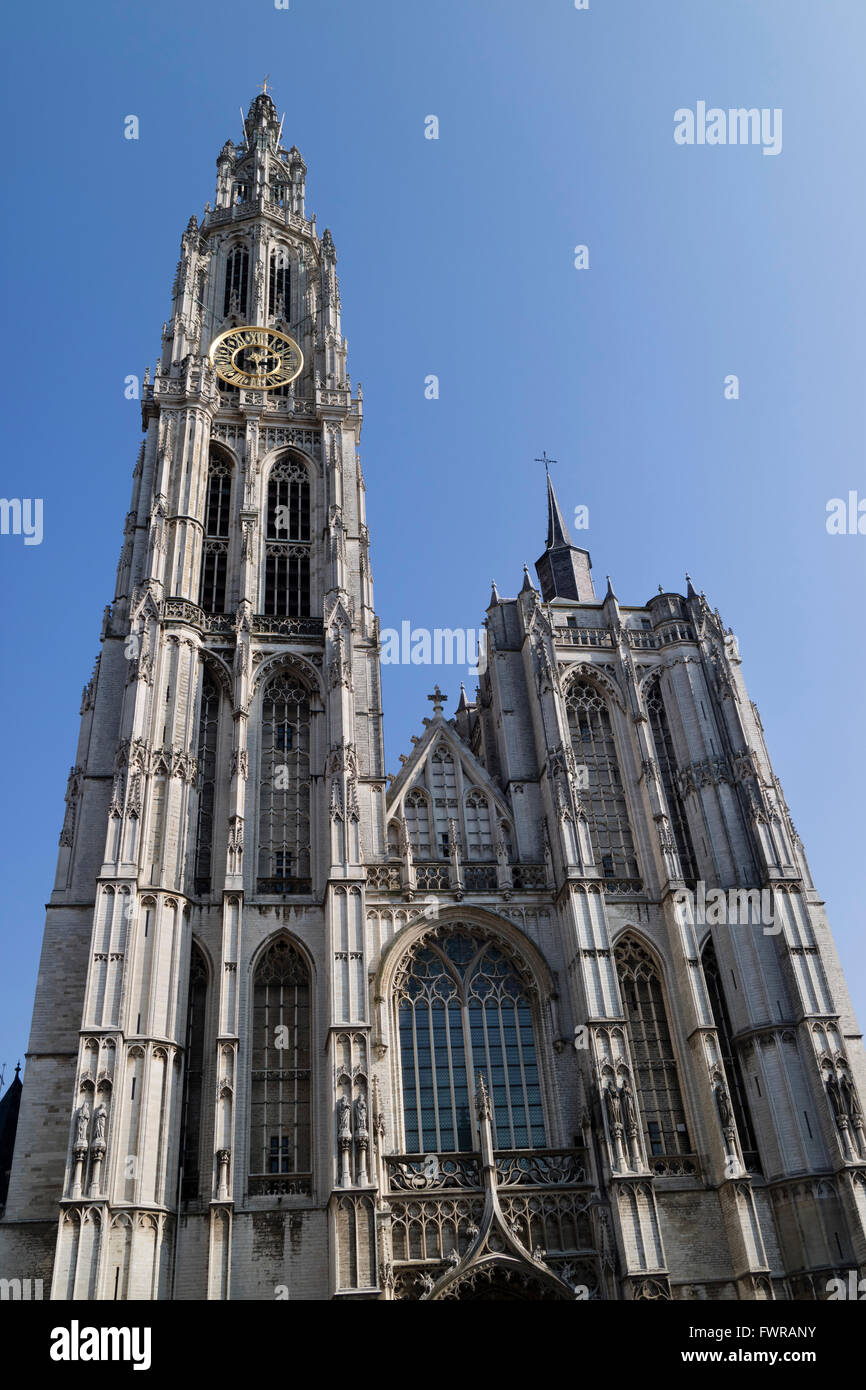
(456, 259)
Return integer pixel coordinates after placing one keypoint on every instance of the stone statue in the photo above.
(628, 1106)
(83, 1122)
(100, 1116)
(612, 1103)
(852, 1104)
(361, 1117)
(835, 1094)
(344, 1112)
(723, 1103)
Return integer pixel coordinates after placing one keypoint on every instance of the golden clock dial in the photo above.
(257, 359)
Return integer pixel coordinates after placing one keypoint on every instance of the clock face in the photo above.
(257, 359)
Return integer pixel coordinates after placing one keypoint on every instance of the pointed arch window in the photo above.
(214, 570)
(190, 1144)
(284, 788)
(280, 1111)
(237, 282)
(669, 773)
(656, 1073)
(730, 1060)
(443, 784)
(594, 748)
(279, 283)
(476, 813)
(208, 728)
(287, 540)
(416, 812)
(464, 1007)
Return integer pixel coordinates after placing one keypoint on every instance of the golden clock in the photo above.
(257, 359)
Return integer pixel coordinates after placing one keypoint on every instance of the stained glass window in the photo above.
(463, 1009)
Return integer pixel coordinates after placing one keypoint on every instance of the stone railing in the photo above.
(585, 636)
(183, 611)
(432, 1173)
(528, 876)
(429, 876)
(675, 1165)
(642, 640)
(219, 622)
(277, 887)
(675, 632)
(622, 887)
(385, 877)
(268, 625)
(280, 1185)
(541, 1168)
(479, 878)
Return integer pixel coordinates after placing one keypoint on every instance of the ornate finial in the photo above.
(265, 84)
(437, 698)
(661, 589)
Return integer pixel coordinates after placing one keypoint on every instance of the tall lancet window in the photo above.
(237, 281)
(416, 812)
(280, 1096)
(733, 1072)
(657, 1077)
(598, 771)
(667, 764)
(208, 726)
(464, 1007)
(443, 782)
(214, 570)
(284, 788)
(287, 540)
(479, 842)
(279, 284)
(190, 1146)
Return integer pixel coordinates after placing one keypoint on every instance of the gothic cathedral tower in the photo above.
(555, 1015)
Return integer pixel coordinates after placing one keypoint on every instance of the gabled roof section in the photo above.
(441, 730)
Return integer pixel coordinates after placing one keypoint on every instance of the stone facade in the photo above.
(488, 1032)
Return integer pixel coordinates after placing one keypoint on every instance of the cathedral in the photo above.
(554, 1013)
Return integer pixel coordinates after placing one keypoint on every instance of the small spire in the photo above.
(610, 593)
(494, 595)
(482, 1099)
(463, 703)
(528, 586)
(690, 591)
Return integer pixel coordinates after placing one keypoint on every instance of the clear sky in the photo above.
(456, 258)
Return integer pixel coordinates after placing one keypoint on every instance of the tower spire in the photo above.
(564, 570)
(557, 531)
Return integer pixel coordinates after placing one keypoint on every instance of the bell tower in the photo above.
(200, 1025)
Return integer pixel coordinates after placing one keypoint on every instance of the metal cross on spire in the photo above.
(265, 84)
(546, 461)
